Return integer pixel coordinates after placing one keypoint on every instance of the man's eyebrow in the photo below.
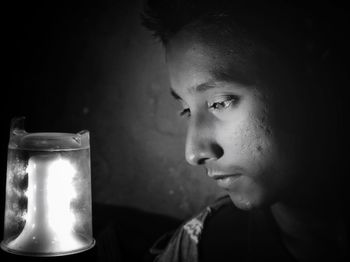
(197, 88)
(211, 84)
(204, 87)
(219, 83)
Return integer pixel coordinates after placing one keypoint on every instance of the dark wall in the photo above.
(74, 67)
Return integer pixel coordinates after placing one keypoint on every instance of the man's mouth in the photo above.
(225, 180)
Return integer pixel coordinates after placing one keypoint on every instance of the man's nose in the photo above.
(201, 145)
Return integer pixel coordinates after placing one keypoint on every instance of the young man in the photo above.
(254, 85)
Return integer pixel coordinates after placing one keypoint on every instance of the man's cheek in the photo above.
(249, 144)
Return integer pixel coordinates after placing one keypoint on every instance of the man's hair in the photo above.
(165, 18)
(251, 31)
(298, 37)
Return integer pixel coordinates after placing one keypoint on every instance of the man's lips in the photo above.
(223, 176)
(225, 180)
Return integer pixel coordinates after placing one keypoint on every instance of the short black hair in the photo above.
(249, 31)
(300, 37)
(165, 18)
(309, 41)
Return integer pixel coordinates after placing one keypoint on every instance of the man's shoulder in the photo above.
(195, 226)
(222, 232)
(182, 244)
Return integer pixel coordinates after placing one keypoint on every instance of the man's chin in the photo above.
(241, 202)
(249, 202)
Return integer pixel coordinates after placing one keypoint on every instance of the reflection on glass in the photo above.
(48, 193)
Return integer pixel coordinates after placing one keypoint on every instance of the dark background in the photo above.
(79, 66)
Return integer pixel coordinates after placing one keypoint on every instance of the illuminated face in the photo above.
(232, 127)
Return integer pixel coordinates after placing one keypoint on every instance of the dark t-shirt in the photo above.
(231, 234)
(223, 232)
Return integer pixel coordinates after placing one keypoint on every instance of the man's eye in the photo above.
(224, 103)
(185, 112)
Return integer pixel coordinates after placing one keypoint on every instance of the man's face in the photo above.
(231, 126)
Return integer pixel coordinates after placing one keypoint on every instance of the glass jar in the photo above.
(48, 193)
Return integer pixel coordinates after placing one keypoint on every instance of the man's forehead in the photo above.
(183, 50)
(199, 70)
